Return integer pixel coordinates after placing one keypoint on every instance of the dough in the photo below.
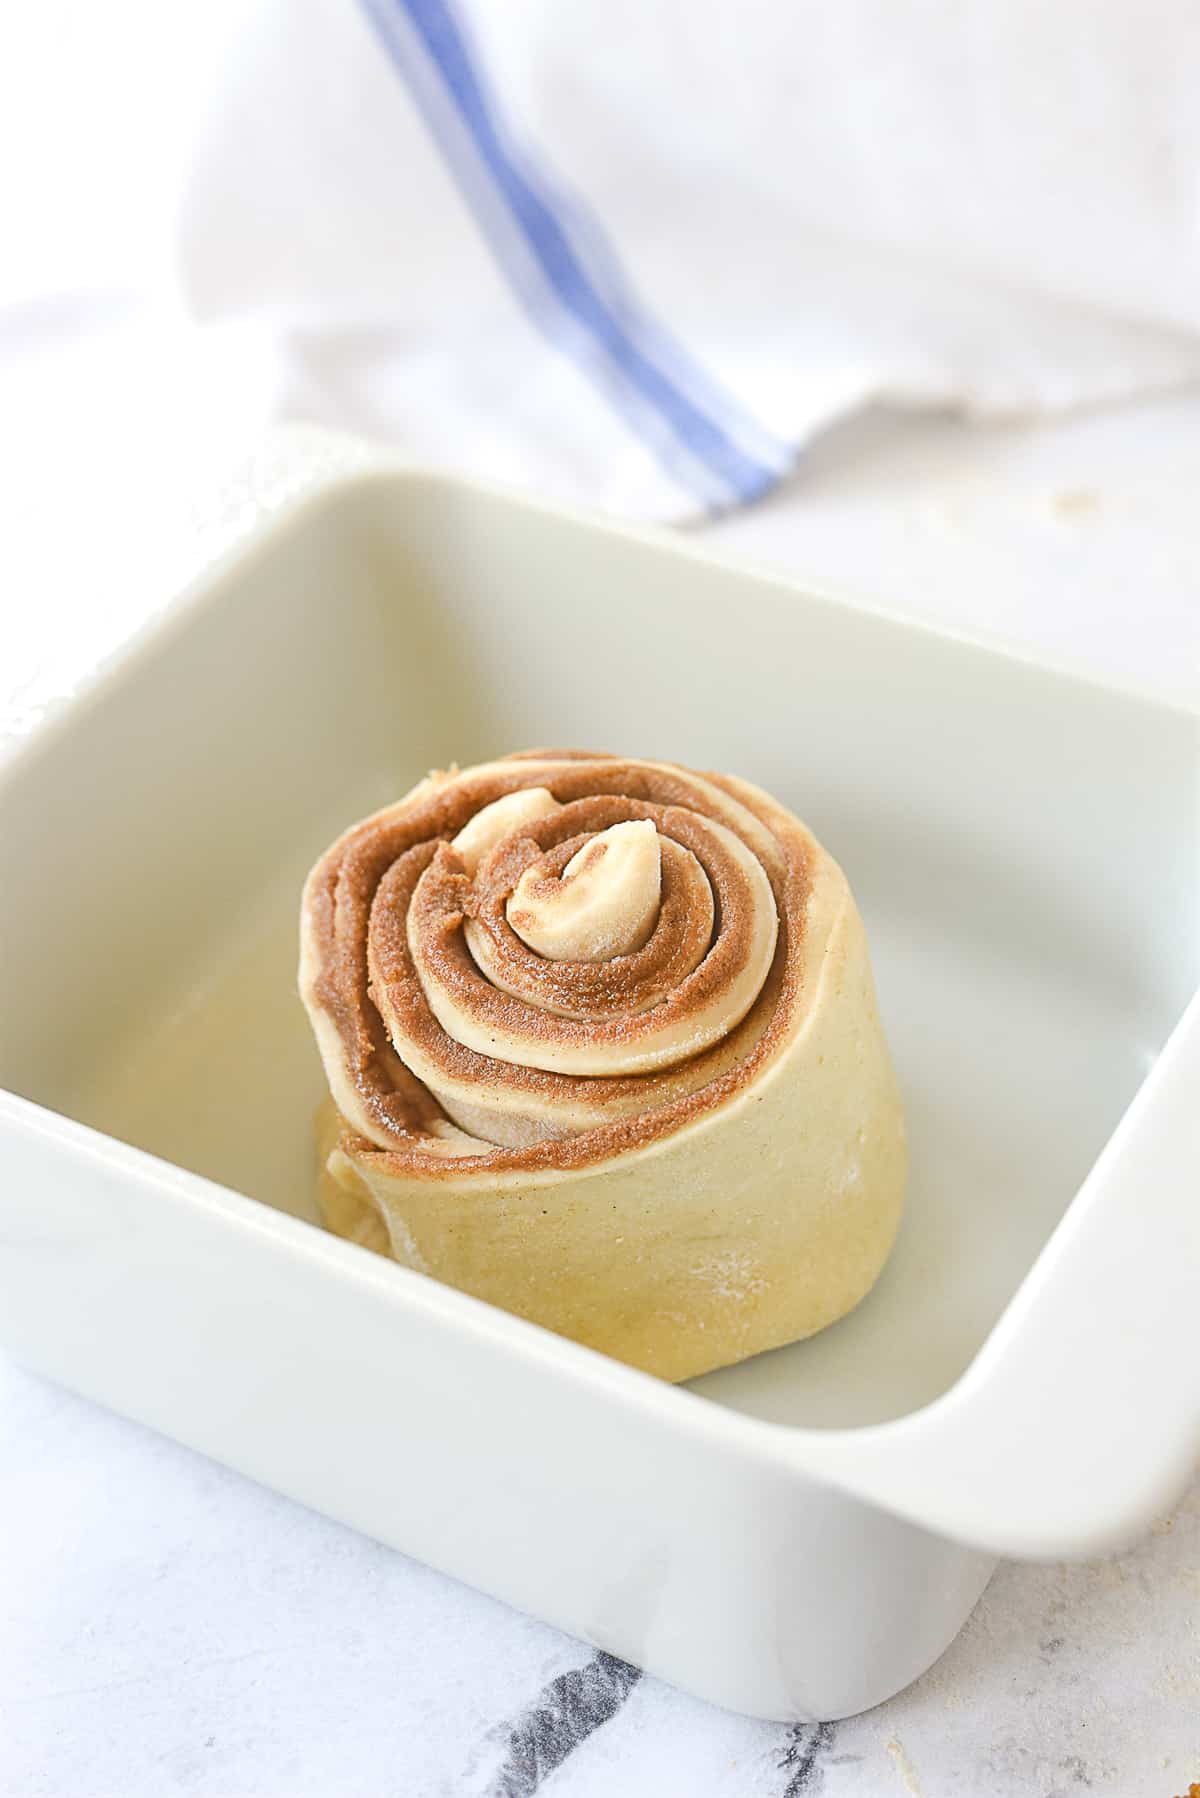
(629, 1084)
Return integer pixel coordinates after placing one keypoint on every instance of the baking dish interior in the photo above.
(1022, 845)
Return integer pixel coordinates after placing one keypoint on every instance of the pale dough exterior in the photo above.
(755, 1224)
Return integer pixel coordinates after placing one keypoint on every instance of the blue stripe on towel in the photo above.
(582, 301)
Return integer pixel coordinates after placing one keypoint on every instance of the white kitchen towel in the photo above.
(639, 251)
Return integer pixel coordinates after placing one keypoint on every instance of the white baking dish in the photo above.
(798, 1536)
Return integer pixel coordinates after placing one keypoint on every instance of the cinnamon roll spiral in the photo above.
(602, 1043)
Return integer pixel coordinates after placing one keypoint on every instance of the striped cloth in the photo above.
(565, 273)
(639, 255)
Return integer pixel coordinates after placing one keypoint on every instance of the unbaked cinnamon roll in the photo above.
(602, 1048)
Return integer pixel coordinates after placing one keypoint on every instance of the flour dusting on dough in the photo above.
(732, 1274)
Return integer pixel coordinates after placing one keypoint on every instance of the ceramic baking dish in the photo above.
(796, 1537)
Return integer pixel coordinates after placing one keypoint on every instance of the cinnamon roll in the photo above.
(602, 1048)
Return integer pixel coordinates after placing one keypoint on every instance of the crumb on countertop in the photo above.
(1074, 502)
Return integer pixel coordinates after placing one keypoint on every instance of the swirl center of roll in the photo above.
(539, 948)
(605, 902)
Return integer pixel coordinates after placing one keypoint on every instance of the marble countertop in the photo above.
(168, 1627)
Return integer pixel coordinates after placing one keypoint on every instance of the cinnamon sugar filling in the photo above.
(401, 940)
